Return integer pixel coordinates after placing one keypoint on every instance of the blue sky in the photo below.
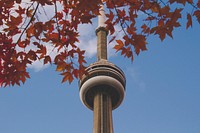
(162, 93)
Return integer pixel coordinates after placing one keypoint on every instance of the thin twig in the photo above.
(32, 17)
(56, 10)
(121, 23)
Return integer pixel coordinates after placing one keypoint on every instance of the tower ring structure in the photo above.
(105, 77)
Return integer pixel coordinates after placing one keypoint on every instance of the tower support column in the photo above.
(102, 113)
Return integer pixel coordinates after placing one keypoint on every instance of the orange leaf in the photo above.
(29, 12)
(154, 9)
(30, 31)
(61, 66)
(161, 22)
(22, 44)
(119, 45)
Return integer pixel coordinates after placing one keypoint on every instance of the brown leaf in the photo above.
(67, 77)
(30, 31)
(47, 59)
(76, 73)
(18, 1)
(189, 22)
(61, 66)
(198, 4)
(197, 14)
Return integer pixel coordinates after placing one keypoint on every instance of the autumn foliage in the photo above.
(26, 31)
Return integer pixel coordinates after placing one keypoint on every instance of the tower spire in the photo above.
(101, 33)
(101, 17)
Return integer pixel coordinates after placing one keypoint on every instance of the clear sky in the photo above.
(162, 92)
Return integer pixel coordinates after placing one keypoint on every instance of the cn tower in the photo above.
(102, 89)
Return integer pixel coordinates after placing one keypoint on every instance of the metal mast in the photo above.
(103, 88)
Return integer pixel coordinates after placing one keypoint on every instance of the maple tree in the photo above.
(26, 31)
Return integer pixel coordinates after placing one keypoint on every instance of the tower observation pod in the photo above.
(102, 89)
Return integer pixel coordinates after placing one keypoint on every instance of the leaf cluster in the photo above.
(27, 31)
